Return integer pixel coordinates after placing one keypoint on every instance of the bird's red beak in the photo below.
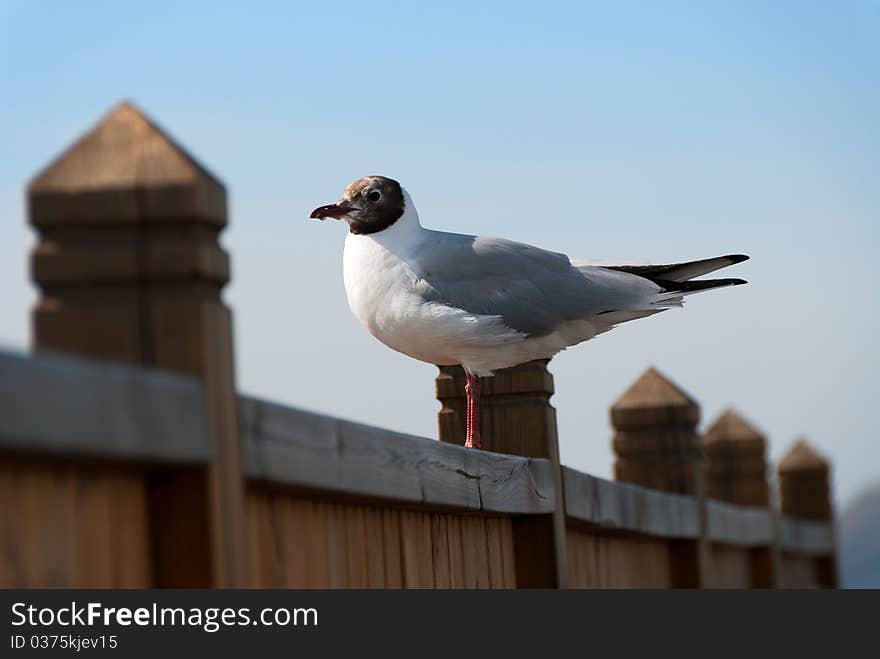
(331, 210)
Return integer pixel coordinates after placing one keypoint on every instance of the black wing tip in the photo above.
(692, 285)
(715, 283)
(737, 258)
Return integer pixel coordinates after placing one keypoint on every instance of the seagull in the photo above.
(487, 303)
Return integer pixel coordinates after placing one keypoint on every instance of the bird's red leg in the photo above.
(472, 390)
(469, 415)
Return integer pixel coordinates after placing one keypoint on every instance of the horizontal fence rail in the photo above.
(288, 446)
(620, 506)
(79, 408)
(56, 407)
(739, 525)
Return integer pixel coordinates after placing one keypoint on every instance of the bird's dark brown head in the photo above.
(369, 205)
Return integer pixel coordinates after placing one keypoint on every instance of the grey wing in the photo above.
(533, 290)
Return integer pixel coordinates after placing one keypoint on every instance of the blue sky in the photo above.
(651, 131)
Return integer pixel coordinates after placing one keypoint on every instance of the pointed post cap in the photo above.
(126, 169)
(732, 433)
(654, 400)
(802, 457)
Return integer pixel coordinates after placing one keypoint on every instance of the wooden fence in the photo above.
(155, 473)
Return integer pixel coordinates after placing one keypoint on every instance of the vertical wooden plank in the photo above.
(614, 561)
(416, 534)
(294, 524)
(45, 515)
(469, 546)
(254, 569)
(602, 576)
(49, 517)
(60, 525)
(456, 555)
(337, 558)
(374, 547)
(409, 551)
(507, 555)
(263, 559)
(440, 550)
(494, 556)
(576, 576)
(92, 535)
(130, 559)
(482, 551)
(355, 536)
(275, 517)
(589, 549)
(318, 550)
(426, 552)
(9, 571)
(71, 525)
(391, 548)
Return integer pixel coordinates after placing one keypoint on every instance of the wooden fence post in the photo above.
(736, 472)
(805, 493)
(129, 267)
(517, 419)
(657, 446)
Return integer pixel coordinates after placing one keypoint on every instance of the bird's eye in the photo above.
(374, 195)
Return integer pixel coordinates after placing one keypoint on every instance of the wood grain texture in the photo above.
(440, 551)
(517, 419)
(62, 405)
(390, 549)
(627, 507)
(72, 526)
(454, 562)
(129, 267)
(600, 560)
(508, 555)
(301, 543)
(283, 445)
(126, 168)
(456, 556)
(515, 403)
(415, 531)
(494, 552)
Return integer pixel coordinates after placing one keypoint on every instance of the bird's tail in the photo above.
(677, 279)
(674, 291)
(682, 272)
